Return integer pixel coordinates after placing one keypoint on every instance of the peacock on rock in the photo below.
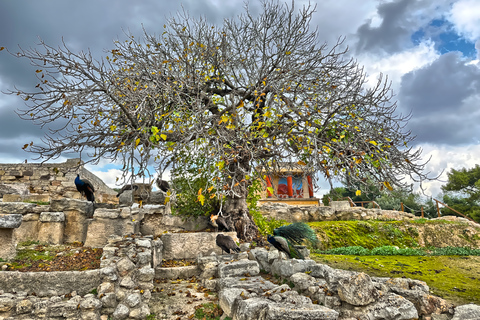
(297, 233)
(85, 187)
(286, 237)
(282, 245)
(226, 243)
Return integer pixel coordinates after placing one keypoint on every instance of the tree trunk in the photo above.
(238, 216)
(236, 211)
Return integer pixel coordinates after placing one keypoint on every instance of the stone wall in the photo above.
(120, 289)
(340, 210)
(44, 181)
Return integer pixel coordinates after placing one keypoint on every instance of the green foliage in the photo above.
(265, 226)
(189, 182)
(455, 251)
(463, 192)
(94, 291)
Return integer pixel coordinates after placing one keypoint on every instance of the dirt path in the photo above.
(179, 299)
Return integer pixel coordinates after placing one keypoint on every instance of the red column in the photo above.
(310, 186)
(269, 185)
(290, 186)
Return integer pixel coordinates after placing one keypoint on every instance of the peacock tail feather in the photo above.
(297, 233)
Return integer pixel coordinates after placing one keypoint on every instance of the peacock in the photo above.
(296, 233)
(282, 245)
(85, 187)
(226, 243)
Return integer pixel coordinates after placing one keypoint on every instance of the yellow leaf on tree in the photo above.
(358, 193)
(302, 163)
(288, 52)
(201, 198)
(163, 136)
(387, 184)
(137, 142)
(373, 142)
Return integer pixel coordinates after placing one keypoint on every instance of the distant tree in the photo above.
(462, 192)
(254, 95)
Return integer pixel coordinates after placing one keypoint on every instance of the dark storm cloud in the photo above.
(392, 34)
(444, 98)
(83, 25)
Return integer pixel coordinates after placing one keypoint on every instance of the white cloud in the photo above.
(465, 15)
(396, 65)
(446, 158)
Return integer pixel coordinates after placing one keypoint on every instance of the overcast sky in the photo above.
(430, 50)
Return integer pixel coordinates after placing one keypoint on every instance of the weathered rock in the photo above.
(16, 207)
(52, 217)
(190, 245)
(10, 221)
(238, 268)
(286, 268)
(357, 290)
(467, 312)
(67, 204)
(121, 312)
(227, 297)
(333, 277)
(282, 311)
(249, 308)
(389, 307)
(258, 285)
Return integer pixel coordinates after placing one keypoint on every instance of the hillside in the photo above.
(453, 277)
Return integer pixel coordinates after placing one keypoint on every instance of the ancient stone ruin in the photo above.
(136, 240)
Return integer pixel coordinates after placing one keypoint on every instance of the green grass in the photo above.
(208, 311)
(366, 234)
(392, 250)
(454, 278)
(40, 203)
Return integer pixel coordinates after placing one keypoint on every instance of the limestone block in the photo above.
(66, 204)
(16, 207)
(52, 217)
(12, 198)
(227, 297)
(99, 229)
(52, 228)
(282, 311)
(249, 308)
(37, 197)
(191, 245)
(29, 228)
(256, 285)
(358, 290)
(238, 269)
(107, 213)
(8, 244)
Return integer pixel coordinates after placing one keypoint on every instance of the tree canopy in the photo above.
(254, 95)
(463, 192)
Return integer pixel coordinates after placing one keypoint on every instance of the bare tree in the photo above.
(251, 96)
